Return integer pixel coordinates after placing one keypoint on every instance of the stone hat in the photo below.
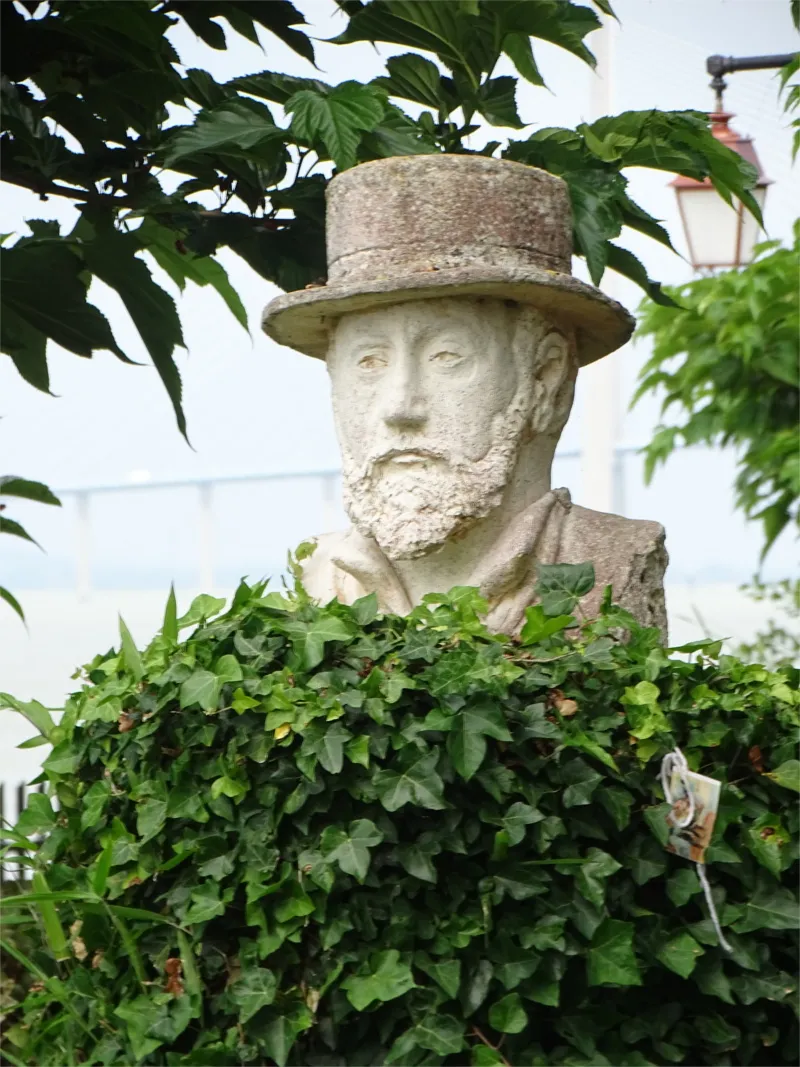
(418, 227)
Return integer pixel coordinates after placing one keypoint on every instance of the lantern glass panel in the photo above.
(717, 234)
(751, 231)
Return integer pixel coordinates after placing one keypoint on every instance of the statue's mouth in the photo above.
(408, 457)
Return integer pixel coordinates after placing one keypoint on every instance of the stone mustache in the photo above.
(453, 332)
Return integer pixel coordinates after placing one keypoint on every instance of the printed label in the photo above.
(692, 841)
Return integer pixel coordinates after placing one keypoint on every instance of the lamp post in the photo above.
(718, 234)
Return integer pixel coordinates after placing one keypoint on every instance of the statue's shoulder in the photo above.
(614, 535)
(628, 554)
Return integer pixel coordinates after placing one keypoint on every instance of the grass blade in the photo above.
(53, 930)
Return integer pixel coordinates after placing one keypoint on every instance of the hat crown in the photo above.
(414, 214)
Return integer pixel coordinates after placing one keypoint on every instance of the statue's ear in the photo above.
(556, 370)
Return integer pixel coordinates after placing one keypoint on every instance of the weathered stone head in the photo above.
(453, 332)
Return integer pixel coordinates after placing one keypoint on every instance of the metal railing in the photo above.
(207, 491)
(205, 488)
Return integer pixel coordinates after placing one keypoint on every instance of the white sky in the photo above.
(253, 407)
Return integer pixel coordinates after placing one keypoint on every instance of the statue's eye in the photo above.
(372, 361)
(446, 359)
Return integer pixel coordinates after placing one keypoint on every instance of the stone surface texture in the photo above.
(453, 335)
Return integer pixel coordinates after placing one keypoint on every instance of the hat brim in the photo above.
(302, 320)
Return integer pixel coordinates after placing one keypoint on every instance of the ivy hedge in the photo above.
(321, 836)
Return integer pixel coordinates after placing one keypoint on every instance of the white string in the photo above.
(672, 762)
(676, 761)
(701, 874)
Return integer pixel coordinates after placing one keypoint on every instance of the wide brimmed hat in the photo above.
(419, 227)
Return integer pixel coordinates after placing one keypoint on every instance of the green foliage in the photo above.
(11, 485)
(737, 379)
(314, 835)
(779, 644)
(108, 76)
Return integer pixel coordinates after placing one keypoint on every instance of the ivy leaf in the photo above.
(386, 978)
(350, 849)
(787, 775)
(141, 1015)
(205, 904)
(150, 818)
(611, 957)
(547, 933)
(768, 840)
(538, 626)
(201, 687)
(682, 886)
(228, 669)
(592, 874)
(446, 973)
(581, 782)
(203, 607)
(336, 119)
(38, 816)
(442, 1034)
(365, 609)
(680, 954)
(771, 907)
(417, 858)
(130, 654)
(466, 741)
(515, 820)
(321, 630)
(508, 1015)
(467, 748)
(252, 991)
(560, 586)
(417, 783)
(280, 1032)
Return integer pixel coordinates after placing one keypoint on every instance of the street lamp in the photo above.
(718, 234)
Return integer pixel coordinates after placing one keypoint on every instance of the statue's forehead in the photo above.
(425, 316)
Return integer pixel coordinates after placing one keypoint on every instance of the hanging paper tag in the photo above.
(692, 841)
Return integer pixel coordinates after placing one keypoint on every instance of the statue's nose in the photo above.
(404, 407)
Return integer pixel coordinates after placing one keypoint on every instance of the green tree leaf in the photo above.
(336, 119)
(11, 485)
(65, 317)
(112, 257)
(238, 126)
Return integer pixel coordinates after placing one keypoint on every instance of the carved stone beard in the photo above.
(413, 510)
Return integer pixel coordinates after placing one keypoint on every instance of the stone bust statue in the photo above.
(453, 333)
